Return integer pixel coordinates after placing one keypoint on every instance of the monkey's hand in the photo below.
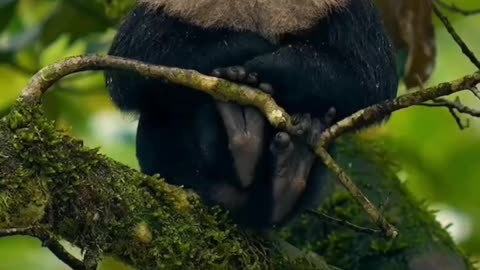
(293, 161)
(240, 75)
(244, 125)
(310, 129)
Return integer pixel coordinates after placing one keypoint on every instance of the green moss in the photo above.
(372, 170)
(98, 204)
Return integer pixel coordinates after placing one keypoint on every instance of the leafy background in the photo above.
(441, 163)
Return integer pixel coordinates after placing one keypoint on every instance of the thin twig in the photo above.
(455, 114)
(217, 88)
(244, 95)
(15, 231)
(465, 49)
(454, 8)
(458, 120)
(342, 222)
(452, 112)
(456, 105)
(49, 241)
(378, 111)
(375, 216)
(454, 108)
(53, 244)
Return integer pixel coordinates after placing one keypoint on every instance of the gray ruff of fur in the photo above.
(270, 18)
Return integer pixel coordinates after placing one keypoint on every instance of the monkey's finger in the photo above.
(281, 140)
(236, 73)
(315, 131)
(217, 72)
(254, 120)
(252, 78)
(241, 73)
(301, 123)
(266, 87)
(329, 116)
(286, 199)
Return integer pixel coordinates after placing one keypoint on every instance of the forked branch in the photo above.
(244, 95)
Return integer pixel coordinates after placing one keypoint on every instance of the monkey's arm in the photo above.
(312, 76)
(156, 38)
(160, 39)
(307, 79)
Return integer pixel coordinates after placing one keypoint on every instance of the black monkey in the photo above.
(310, 54)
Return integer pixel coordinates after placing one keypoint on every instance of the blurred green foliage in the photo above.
(440, 162)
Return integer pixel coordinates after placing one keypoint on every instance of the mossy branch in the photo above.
(141, 215)
(244, 95)
(52, 187)
(218, 88)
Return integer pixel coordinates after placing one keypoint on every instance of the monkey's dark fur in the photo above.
(337, 55)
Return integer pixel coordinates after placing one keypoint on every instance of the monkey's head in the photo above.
(268, 17)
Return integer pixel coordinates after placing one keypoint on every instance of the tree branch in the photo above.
(454, 8)
(455, 105)
(244, 95)
(217, 88)
(112, 196)
(48, 240)
(48, 179)
(456, 37)
(15, 231)
(345, 223)
(377, 112)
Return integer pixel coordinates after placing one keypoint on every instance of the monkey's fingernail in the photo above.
(331, 112)
(232, 74)
(252, 78)
(266, 87)
(216, 72)
(282, 139)
(242, 73)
